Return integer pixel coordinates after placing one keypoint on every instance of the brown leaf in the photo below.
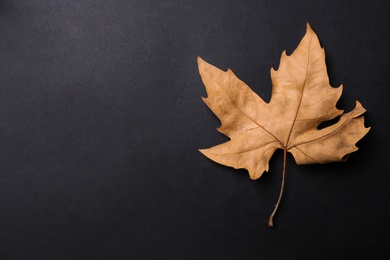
(301, 100)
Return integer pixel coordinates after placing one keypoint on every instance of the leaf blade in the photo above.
(301, 100)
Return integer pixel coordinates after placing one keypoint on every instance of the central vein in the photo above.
(300, 100)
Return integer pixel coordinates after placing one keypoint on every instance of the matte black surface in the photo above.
(101, 119)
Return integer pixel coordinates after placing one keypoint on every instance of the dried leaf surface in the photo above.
(301, 100)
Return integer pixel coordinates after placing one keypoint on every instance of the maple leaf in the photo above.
(302, 99)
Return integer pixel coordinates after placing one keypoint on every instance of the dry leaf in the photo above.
(301, 100)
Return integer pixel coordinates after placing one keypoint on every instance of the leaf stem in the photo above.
(271, 218)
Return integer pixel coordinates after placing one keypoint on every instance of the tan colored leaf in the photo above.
(301, 100)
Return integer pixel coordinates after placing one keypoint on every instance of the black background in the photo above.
(101, 119)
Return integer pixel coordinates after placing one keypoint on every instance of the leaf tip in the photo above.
(312, 35)
(200, 61)
(309, 29)
(359, 109)
(203, 151)
(205, 67)
(359, 105)
(254, 175)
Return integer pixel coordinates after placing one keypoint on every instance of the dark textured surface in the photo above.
(101, 119)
